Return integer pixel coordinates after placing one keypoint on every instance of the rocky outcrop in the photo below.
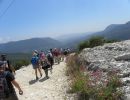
(111, 56)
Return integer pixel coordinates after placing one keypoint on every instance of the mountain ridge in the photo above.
(28, 45)
(113, 31)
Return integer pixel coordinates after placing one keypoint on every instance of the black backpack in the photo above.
(4, 89)
(49, 57)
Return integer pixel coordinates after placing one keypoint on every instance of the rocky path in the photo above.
(53, 88)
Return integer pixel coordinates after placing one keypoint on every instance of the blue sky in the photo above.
(51, 18)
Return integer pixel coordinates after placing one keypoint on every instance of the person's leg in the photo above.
(63, 57)
(50, 61)
(39, 69)
(36, 73)
(58, 58)
(54, 59)
(46, 72)
(51, 64)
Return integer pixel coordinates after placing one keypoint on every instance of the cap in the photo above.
(35, 51)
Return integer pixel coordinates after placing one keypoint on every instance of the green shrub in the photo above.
(111, 41)
(83, 45)
(19, 63)
(94, 41)
(18, 60)
(78, 84)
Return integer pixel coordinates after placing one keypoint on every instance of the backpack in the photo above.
(4, 89)
(49, 56)
(34, 60)
(42, 56)
(45, 65)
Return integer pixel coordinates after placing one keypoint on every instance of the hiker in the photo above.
(7, 80)
(50, 59)
(45, 66)
(65, 52)
(51, 50)
(42, 55)
(61, 55)
(8, 66)
(35, 64)
(56, 55)
(41, 58)
(68, 51)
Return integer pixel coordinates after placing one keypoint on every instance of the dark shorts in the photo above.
(51, 61)
(45, 67)
(35, 66)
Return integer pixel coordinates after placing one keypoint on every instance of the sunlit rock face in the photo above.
(110, 56)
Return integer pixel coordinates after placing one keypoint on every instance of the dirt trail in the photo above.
(53, 88)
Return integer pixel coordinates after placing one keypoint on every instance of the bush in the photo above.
(18, 60)
(19, 63)
(94, 41)
(83, 45)
(111, 41)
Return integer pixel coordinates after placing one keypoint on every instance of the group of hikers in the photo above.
(39, 61)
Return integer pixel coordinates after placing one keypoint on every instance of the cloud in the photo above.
(1, 39)
(5, 39)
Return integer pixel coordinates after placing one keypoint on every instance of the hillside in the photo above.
(25, 46)
(116, 31)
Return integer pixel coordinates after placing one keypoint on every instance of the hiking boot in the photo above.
(37, 78)
(47, 77)
(41, 75)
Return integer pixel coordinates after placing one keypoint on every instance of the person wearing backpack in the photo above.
(45, 65)
(7, 80)
(8, 66)
(35, 64)
(50, 59)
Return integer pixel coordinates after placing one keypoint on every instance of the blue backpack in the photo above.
(34, 60)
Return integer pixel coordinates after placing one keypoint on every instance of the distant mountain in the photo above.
(25, 46)
(71, 40)
(113, 31)
(116, 31)
(72, 36)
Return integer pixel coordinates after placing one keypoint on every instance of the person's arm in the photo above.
(15, 83)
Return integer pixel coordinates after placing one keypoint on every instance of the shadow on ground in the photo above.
(43, 79)
(32, 81)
